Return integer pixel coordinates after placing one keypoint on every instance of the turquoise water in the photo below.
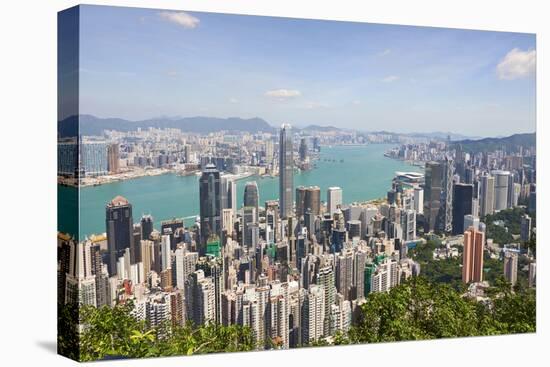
(363, 175)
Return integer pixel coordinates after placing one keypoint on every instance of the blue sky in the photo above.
(142, 63)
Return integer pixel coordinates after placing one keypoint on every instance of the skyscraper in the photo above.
(444, 221)
(314, 314)
(462, 205)
(210, 205)
(300, 201)
(344, 274)
(334, 199)
(200, 298)
(501, 189)
(312, 200)
(229, 193)
(472, 262)
(308, 199)
(80, 281)
(525, 229)
(286, 171)
(119, 229)
(146, 226)
(251, 197)
(511, 267)
(487, 195)
(432, 193)
(325, 279)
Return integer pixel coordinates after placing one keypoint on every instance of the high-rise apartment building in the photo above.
(511, 267)
(472, 256)
(314, 314)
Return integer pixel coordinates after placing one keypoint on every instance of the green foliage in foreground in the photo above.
(416, 310)
(115, 333)
(420, 310)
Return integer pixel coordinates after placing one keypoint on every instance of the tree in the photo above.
(420, 309)
(115, 332)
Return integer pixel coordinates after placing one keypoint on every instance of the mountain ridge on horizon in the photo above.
(89, 124)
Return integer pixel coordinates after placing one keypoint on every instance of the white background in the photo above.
(28, 179)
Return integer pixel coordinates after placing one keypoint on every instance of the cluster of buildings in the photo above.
(295, 270)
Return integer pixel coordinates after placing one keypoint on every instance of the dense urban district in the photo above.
(449, 252)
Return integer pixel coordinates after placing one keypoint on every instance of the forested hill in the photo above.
(491, 144)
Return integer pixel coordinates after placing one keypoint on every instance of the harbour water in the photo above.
(361, 171)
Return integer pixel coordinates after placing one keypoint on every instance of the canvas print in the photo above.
(232, 183)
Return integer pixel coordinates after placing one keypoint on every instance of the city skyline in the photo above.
(206, 235)
(350, 75)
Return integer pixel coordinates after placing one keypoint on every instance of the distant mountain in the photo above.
(489, 144)
(92, 125)
(320, 128)
(441, 135)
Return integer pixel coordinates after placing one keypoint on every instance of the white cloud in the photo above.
(390, 78)
(384, 53)
(517, 64)
(283, 93)
(180, 18)
(233, 100)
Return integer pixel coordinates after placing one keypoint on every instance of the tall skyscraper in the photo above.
(511, 267)
(119, 228)
(344, 274)
(487, 195)
(250, 228)
(432, 193)
(512, 201)
(312, 200)
(286, 171)
(525, 229)
(308, 199)
(146, 226)
(444, 221)
(472, 257)
(303, 151)
(165, 252)
(269, 151)
(251, 197)
(501, 189)
(300, 201)
(210, 205)
(326, 280)
(462, 205)
(334, 199)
